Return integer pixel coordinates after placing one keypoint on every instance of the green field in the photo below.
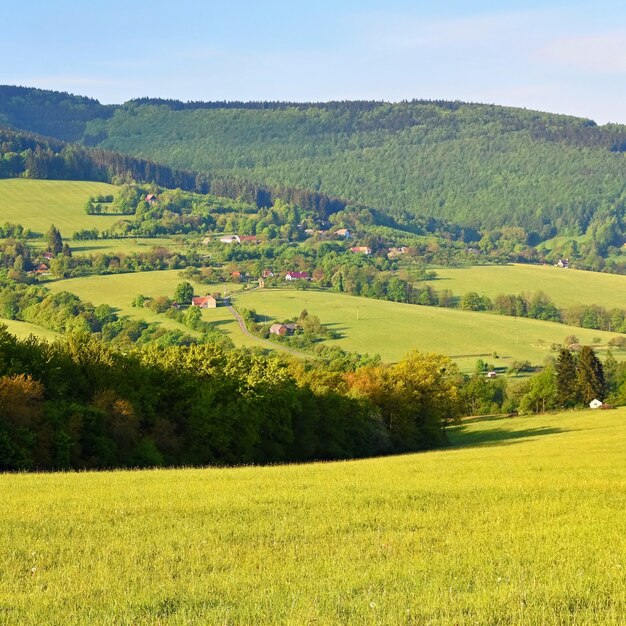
(124, 246)
(24, 329)
(36, 204)
(523, 524)
(392, 329)
(566, 287)
(118, 290)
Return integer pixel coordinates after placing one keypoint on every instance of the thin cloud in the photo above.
(401, 32)
(601, 52)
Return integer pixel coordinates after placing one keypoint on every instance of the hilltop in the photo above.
(482, 166)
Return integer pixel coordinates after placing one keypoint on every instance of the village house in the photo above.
(395, 252)
(297, 276)
(230, 239)
(282, 329)
(492, 374)
(42, 270)
(151, 198)
(564, 263)
(249, 239)
(47, 255)
(278, 329)
(267, 274)
(204, 302)
(343, 232)
(361, 250)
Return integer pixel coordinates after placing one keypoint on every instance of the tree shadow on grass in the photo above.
(461, 438)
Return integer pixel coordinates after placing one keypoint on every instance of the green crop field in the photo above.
(118, 290)
(523, 523)
(36, 204)
(392, 329)
(566, 287)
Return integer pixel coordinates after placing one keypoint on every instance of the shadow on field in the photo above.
(461, 438)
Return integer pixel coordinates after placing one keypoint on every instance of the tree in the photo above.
(54, 240)
(183, 293)
(541, 393)
(566, 379)
(193, 317)
(589, 376)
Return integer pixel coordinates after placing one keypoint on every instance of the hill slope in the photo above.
(479, 165)
(523, 525)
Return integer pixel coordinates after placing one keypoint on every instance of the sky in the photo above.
(552, 55)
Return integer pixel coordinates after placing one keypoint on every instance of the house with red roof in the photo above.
(204, 302)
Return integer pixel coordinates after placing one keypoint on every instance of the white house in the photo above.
(595, 404)
(230, 239)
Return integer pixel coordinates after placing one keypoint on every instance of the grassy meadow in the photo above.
(36, 204)
(566, 287)
(24, 329)
(118, 290)
(391, 329)
(522, 523)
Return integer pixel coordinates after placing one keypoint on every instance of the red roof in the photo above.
(298, 274)
(202, 300)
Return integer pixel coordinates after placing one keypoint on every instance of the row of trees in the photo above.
(78, 404)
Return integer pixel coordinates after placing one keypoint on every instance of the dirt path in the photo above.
(267, 342)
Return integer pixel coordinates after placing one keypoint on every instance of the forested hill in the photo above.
(479, 165)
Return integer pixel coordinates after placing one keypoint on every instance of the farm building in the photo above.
(564, 263)
(394, 252)
(595, 404)
(230, 239)
(204, 302)
(297, 276)
(278, 329)
(151, 198)
(361, 250)
(282, 329)
(248, 239)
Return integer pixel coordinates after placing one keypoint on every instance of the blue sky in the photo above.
(566, 57)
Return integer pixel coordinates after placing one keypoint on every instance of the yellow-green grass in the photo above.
(525, 524)
(392, 329)
(566, 287)
(119, 290)
(36, 204)
(116, 246)
(24, 329)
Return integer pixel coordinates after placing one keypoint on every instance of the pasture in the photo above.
(36, 204)
(391, 329)
(566, 287)
(24, 329)
(118, 290)
(522, 523)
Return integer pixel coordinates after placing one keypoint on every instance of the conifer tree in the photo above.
(566, 383)
(54, 239)
(589, 376)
